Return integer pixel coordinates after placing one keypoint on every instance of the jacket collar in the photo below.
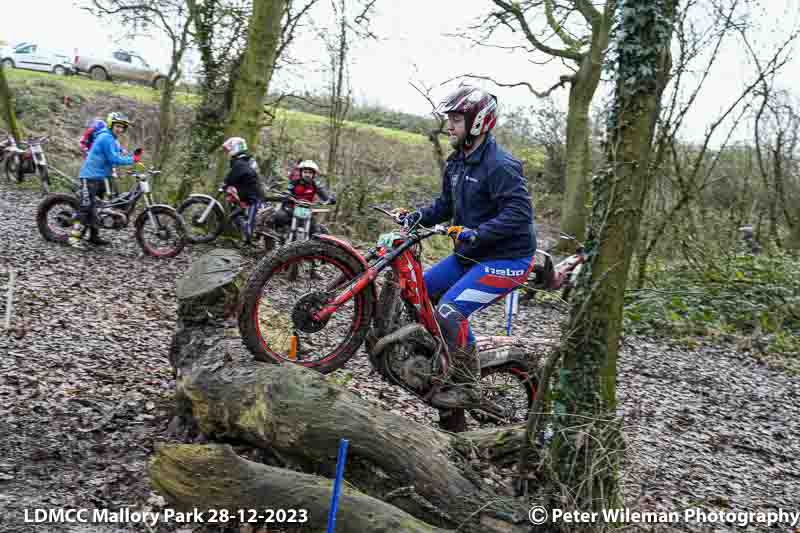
(243, 155)
(475, 157)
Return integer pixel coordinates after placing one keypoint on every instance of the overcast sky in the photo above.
(412, 46)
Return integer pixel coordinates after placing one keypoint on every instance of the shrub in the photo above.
(742, 294)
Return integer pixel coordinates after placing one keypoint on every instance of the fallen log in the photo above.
(247, 489)
(298, 417)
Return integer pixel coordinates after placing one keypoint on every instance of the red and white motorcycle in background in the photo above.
(547, 276)
(26, 158)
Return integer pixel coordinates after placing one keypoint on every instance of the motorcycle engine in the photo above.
(112, 218)
(415, 370)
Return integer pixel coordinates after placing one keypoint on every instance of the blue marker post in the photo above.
(337, 484)
(511, 307)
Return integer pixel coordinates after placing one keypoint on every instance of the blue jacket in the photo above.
(104, 155)
(486, 192)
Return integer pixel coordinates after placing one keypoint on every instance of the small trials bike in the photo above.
(159, 228)
(320, 322)
(27, 158)
(206, 217)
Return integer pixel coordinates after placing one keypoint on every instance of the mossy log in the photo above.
(182, 474)
(297, 416)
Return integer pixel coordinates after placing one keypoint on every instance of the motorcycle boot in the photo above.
(83, 216)
(462, 385)
(75, 236)
(94, 237)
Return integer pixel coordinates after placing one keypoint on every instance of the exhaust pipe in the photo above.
(415, 332)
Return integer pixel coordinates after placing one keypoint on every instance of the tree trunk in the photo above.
(339, 107)
(586, 448)
(438, 151)
(165, 120)
(298, 417)
(251, 86)
(574, 209)
(207, 130)
(8, 107)
(579, 156)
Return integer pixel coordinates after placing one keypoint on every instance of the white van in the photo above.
(32, 56)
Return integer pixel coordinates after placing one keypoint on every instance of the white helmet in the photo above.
(309, 164)
(235, 146)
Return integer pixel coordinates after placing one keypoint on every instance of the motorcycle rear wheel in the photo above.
(509, 386)
(64, 207)
(275, 321)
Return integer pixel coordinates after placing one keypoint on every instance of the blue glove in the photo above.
(468, 235)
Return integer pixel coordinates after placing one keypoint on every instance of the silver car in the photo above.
(32, 56)
(121, 65)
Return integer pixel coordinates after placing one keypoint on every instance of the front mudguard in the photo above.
(210, 199)
(344, 245)
(165, 207)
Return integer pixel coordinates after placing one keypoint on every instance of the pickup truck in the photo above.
(120, 65)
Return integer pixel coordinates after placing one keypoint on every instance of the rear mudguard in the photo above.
(499, 351)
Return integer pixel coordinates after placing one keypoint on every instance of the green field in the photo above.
(86, 88)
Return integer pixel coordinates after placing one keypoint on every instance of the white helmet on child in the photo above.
(235, 146)
(309, 164)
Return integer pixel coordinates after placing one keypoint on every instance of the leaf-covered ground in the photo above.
(85, 393)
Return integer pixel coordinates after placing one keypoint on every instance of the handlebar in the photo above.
(418, 229)
(147, 173)
(280, 196)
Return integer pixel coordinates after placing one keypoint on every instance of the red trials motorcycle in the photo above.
(319, 321)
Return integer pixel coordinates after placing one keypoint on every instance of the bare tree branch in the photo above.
(514, 9)
(589, 12)
(292, 21)
(558, 27)
(362, 17)
(563, 80)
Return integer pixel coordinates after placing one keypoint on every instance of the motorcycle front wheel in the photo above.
(201, 232)
(160, 232)
(276, 322)
(11, 168)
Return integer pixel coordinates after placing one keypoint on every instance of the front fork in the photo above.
(148, 204)
(206, 212)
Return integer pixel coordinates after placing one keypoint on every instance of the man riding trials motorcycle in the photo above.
(485, 195)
